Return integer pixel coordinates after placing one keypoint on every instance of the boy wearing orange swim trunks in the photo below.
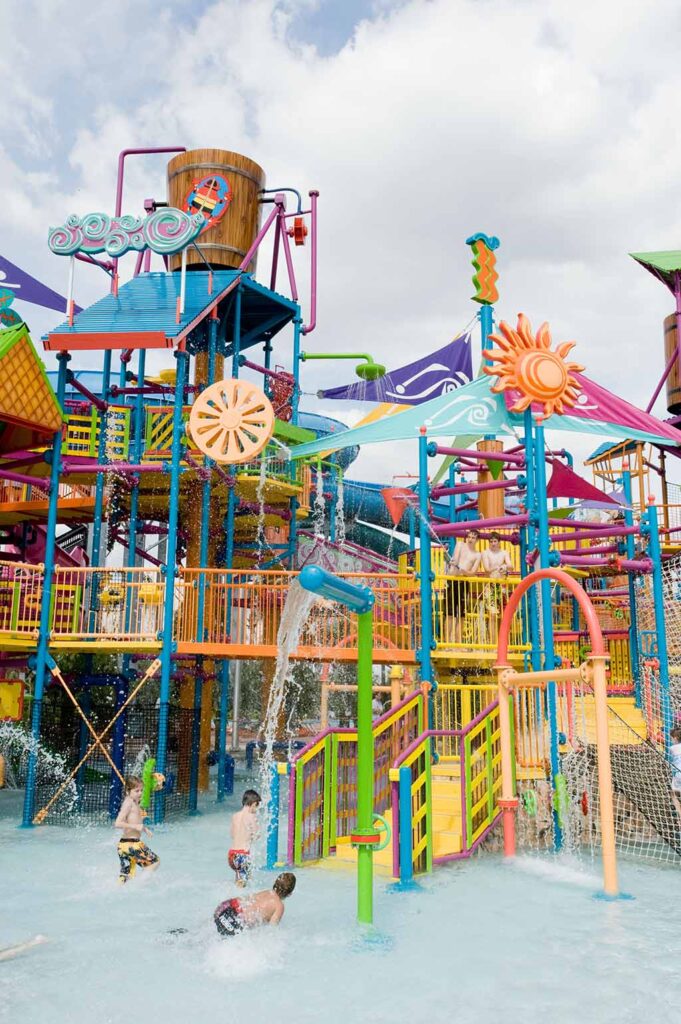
(244, 831)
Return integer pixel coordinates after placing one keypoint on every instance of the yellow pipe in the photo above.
(514, 679)
(508, 801)
(604, 776)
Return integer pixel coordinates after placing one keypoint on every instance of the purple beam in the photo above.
(18, 459)
(610, 531)
(70, 465)
(493, 485)
(253, 506)
(286, 246)
(275, 255)
(308, 328)
(636, 565)
(291, 814)
(264, 370)
(138, 551)
(465, 453)
(597, 549)
(575, 524)
(452, 529)
(258, 238)
(97, 402)
(583, 563)
(21, 478)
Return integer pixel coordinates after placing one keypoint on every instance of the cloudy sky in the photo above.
(549, 123)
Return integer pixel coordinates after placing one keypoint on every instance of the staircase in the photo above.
(626, 724)
(446, 796)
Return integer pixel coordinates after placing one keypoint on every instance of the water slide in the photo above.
(363, 503)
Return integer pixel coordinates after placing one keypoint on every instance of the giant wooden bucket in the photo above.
(224, 187)
(674, 378)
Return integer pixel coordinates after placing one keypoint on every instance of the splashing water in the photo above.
(318, 512)
(16, 745)
(340, 514)
(294, 613)
(260, 494)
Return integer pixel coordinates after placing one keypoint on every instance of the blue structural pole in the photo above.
(272, 818)
(486, 316)
(634, 654)
(425, 578)
(405, 826)
(204, 538)
(531, 542)
(44, 629)
(167, 647)
(333, 491)
(451, 482)
(222, 728)
(650, 526)
(295, 398)
(122, 686)
(411, 519)
(98, 518)
(544, 541)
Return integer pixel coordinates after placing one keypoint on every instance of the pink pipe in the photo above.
(308, 328)
(121, 172)
(286, 246)
(610, 531)
(275, 255)
(583, 563)
(258, 238)
(21, 478)
(452, 529)
(635, 565)
(598, 549)
(494, 485)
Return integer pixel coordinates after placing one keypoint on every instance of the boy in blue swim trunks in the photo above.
(244, 832)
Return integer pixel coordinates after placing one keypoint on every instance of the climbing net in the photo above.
(660, 713)
(647, 822)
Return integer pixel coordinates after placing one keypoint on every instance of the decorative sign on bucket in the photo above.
(231, 421)
(166, 231)
(210, 197)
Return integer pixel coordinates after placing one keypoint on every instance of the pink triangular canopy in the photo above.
(565, 483)
(597, 403)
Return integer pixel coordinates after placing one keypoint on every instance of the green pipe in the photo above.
(365, 767)
(369, 370)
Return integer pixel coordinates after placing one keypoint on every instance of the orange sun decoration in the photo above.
(528, 365)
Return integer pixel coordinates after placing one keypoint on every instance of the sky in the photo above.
(547, 123)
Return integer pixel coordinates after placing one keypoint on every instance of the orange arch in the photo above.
(560, 576)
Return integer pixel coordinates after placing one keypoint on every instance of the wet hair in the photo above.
(251, 798)
(133, 782)
(473, 533)
(675, 733)
(494, 535)
(284, 885)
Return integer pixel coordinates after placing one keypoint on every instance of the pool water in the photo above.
(482, 940)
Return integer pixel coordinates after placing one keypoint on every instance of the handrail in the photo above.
(445, 732)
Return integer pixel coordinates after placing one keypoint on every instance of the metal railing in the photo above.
(467, 612)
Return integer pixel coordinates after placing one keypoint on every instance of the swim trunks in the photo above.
(228, 918)
(132, 852)
(240, 863)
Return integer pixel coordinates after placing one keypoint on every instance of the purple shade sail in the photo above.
(28, 289)
(433, 375)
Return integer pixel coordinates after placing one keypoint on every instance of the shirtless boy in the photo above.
(496, 561)
(244, 831)
(266, 907)
(464, 562)
(131, 850)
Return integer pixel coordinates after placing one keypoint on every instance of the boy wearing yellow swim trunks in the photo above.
(131, 850)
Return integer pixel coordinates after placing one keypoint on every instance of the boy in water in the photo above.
(244, 831)
(131, 850)
(266, 907)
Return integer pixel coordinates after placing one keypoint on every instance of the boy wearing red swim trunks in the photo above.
(244, 832)
(266, 907)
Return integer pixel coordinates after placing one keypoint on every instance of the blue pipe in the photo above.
(651, 528)
(295, 398)
(425, 580)
(98, 518)
(222, 728)
(634, 652)
(167, 647)
(272, 817)
(451, 543)
(357, 597)
(547, 617)
(532, 605)
(236, 337)
(45, 608)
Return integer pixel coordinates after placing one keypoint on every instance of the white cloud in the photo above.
(547, 123)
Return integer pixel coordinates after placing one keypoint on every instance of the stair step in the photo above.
(446, 842)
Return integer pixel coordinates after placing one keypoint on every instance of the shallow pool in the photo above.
(479, 941)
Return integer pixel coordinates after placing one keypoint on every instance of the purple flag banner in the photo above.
(27, 289)
(429, 377)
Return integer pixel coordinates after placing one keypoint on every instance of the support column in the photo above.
(634, 654)
(167, 648)
(44, 629)
(651, 527)
(425, 578)
(222, 728)
(547, 619)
